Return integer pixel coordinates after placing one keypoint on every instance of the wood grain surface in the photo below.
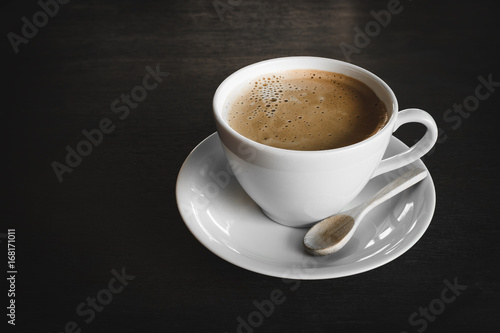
(115, 213)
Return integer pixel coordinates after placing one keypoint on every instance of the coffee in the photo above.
(306, 110)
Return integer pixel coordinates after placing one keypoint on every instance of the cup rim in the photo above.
(222, 122)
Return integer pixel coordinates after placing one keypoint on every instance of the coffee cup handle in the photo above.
(418, 149)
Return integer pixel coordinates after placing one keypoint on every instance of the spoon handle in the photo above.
(398, 185)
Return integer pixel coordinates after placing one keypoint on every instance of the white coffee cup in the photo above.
(297, 188)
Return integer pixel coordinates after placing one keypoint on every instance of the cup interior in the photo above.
(246, 74)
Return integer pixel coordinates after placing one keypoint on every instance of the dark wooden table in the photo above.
(100, 244)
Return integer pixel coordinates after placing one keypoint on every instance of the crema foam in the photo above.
(306, 110)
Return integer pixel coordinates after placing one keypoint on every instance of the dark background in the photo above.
(117, 209)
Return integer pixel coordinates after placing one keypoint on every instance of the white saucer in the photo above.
(225, 220)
